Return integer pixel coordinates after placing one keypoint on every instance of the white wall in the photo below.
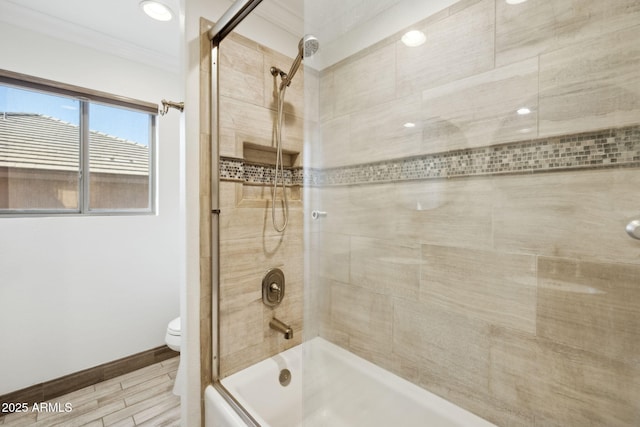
(76, 292)
(190, 308)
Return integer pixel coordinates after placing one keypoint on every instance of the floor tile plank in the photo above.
(142, 397)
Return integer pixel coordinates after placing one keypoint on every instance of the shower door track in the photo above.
(239, 10)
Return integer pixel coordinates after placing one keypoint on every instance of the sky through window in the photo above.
(118, 122)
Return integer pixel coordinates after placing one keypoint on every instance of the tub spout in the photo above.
(281, 327)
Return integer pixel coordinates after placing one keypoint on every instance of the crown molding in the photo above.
(279, 14)
(53, 27)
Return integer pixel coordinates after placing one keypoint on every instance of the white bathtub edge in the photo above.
(217, 412)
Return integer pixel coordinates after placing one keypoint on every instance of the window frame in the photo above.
(85, 97)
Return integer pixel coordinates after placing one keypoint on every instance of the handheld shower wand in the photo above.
(307, 46)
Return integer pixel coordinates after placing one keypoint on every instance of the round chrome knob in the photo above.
(633, 229)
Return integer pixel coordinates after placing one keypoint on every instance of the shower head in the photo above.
(307, 46)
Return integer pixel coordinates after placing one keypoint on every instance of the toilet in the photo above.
(172, 338)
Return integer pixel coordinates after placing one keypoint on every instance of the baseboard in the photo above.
(60, 386)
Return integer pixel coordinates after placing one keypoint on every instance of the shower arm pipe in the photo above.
(231, 18)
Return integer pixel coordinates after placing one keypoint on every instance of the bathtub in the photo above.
(329, 387)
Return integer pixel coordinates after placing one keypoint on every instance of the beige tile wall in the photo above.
(248, 98)
(571, 102)
(245, 336)
(514, 296)
(249, 245)
(479, 65)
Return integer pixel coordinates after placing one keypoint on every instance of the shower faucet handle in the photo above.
(273, 287)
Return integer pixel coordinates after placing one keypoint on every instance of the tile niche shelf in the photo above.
(263, 155)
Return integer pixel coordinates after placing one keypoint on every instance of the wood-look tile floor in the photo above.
(140, 398)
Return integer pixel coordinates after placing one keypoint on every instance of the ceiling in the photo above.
(120, 26)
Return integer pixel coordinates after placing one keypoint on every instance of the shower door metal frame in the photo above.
(229, 20)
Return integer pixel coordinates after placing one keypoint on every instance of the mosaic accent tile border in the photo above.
(606, 148)
(618, 147)
(232, 169)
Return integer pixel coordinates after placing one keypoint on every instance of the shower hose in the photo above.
(280, 168)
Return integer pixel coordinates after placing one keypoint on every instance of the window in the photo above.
(68, 150)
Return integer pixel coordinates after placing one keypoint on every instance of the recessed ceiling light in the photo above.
(524, 111)
(409, 125)
(156, 10)
(515, 1)
(414, 38)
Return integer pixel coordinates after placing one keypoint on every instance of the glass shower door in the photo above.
(477, 189)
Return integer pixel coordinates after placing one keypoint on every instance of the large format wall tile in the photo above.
(535, 27)
(241, 70)
(249, 245)
(441, 212)
(327, 95)
(458, 46)
(386, 266)
(332, 253)
(243, 327)
(249, 117)
(332, 200)
(580, 214)
(496, 287)
(581, 303)
(366, 81)
(450, 351)
(590, 86)
(370, 208)
(316, 316)
(246, 212)
(311, 95)
(333, 149)
(241, 122)
(481, 110)
(317, 291)
(378, 132)
(526, 309)
(248, 259)
(561, 385)
(245, 75)
(365, 317)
